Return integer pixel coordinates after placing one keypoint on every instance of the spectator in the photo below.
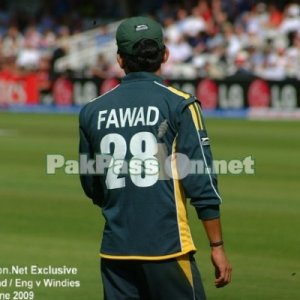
(242, 67)
(242, 36)
(32, 37)
(180, 50)
(28, 57)
(12, 42)
(194, 24)
(293, 58)
(101, 69)
(103, 36)
(233, 44)
(173, 30)
(271, 69)
(291, 20)
(48, 40)
(275, 16)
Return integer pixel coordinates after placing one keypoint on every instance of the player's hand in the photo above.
(222, 266)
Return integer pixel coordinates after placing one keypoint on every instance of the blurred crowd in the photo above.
(217, 38)
(221, 40)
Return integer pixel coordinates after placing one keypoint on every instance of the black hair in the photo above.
(147, 57)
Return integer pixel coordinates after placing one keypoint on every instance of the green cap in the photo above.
(135, 29)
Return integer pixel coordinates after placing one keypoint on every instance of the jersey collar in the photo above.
(141, 76)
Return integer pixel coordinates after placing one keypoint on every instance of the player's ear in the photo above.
(120, 61)
(166, 55)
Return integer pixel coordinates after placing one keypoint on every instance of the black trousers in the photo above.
(177, 279)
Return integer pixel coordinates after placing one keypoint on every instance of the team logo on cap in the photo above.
(141, 27)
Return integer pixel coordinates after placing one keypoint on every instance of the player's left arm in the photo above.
(201, 186)
(192, 140)
(219, 259)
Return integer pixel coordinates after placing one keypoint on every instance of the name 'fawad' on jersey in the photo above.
(128, 117)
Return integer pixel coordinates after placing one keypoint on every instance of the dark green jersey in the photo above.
(147, 140)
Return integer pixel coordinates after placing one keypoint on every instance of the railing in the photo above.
(83, 48)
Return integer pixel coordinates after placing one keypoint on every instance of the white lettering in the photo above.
(130, 117)
(249, 165)
(54, 162)
(235, 166)
(112, 119)
(100, 118)
(140, 117)
(19, 270)
(155, 111)
(127, 116)
(72, 167)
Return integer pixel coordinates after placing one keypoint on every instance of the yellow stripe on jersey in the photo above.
(196, 116)
(194, 108)
(197, 107)
(140, 257)
(179, 93)
(186, 240)
(185, 265)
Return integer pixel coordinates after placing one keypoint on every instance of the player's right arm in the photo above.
(90, 183)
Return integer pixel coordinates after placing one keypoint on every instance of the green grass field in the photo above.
(46, 220)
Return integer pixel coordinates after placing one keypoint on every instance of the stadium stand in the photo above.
(216, 39)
